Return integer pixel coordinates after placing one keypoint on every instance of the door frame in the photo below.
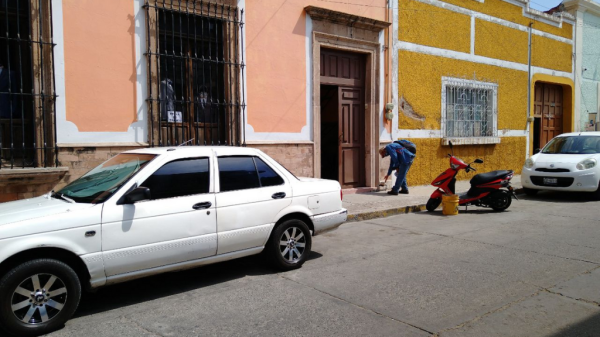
(372, 87)
(568, 105)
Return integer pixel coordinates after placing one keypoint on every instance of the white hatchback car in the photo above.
(569, 162)
(150, 211)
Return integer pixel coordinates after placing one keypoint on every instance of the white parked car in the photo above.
(569, 162)
(150, 211)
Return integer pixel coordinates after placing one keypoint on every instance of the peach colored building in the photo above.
(304, 80)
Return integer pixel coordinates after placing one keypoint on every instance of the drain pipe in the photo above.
(529, 119)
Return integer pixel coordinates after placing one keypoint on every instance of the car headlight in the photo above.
(586, 164)
(529, 163)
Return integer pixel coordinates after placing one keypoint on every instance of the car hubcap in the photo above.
(292, 244)
(39, 299)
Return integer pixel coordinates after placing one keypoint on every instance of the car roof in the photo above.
(191, 150)
(582, 133)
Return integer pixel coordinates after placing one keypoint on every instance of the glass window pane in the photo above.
(179, 178)
(268, 177)
(237, 173)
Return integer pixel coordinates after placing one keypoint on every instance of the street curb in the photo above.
(395, 211)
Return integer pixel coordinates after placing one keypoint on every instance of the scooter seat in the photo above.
(483, 178)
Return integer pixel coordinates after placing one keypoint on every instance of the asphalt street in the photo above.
(530, 271)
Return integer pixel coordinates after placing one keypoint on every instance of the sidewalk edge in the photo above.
(395, 211)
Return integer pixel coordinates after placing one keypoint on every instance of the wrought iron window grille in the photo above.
(469, 108)
(27, 85)
(196, 91)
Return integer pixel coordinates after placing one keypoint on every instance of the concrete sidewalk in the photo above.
(371, 205)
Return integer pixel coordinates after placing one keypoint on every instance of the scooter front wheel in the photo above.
(433, 203)
(500, 200)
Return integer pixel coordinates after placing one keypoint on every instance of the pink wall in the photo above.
(276, 58)
(99, 64)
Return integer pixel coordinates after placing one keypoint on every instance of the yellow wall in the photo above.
(420, 78)
(431, 26)
(507, 11)
(432, 159)
(99, 61)
(420, 82)
(500, 42)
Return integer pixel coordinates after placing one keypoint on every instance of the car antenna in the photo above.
(186, 142)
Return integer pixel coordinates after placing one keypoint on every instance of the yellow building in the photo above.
(464, 70)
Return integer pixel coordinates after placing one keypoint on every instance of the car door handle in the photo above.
(202, 205)
(279, 195)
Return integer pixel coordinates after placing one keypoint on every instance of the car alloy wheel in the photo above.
(292, 244)
(289, 245)
(39, 298)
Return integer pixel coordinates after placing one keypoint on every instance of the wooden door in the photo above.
(346, 70)
(548, 107)
(351, 137)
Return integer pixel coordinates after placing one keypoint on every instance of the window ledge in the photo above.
(18, 176)
(470, 140)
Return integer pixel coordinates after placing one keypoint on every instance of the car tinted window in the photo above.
(267, 176)
(237, 173)
(572, 145)
(179, 178)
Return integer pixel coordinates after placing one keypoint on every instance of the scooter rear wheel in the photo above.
(432, 204)
(500, 200)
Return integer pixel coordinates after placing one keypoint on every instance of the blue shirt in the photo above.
(398, 154)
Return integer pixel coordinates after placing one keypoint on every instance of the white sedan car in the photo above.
(151, 211)
(569, 162)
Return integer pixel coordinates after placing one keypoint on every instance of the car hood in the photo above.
(541, 158)
(40, 207)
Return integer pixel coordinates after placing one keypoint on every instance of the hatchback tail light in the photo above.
(341, 195)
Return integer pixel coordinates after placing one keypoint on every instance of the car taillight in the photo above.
(341, 195)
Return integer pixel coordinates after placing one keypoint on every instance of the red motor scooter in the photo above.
(490, 189)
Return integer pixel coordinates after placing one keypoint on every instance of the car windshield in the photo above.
(102, 182)
(573, 145)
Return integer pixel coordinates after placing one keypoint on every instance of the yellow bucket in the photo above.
(450, 204)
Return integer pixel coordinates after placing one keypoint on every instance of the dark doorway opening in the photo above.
(329, 132)
(536, 132)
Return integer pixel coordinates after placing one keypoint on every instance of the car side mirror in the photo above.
(137, 194)
(536, 151)
(479, 161)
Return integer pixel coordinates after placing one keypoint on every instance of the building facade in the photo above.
(494, 77)
(80, 81)
(587, 62)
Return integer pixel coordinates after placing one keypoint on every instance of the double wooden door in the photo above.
(549, 110)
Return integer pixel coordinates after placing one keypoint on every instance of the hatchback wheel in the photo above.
(289, 245)
(38, 296)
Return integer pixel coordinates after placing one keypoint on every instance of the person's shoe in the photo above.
(403, 191)
(392, 192)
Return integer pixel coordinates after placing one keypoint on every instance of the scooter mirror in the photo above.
(450, 143)
(479, 161)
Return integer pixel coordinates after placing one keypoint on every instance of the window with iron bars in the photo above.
(195, 68)
(27, 95)
(469, 108)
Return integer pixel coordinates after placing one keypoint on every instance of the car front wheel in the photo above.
(289, 245)
(38, 296)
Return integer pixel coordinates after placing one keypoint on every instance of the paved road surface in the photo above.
(530, 271)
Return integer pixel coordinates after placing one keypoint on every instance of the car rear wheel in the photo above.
(38, 296)
(529, 191)
(289, 245)
(432, 204)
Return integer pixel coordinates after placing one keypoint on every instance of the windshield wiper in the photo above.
(64, 197)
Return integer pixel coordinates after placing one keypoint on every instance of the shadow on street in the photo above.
(168, 284)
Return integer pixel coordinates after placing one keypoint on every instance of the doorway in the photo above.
(548, 113)
(343, 117)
